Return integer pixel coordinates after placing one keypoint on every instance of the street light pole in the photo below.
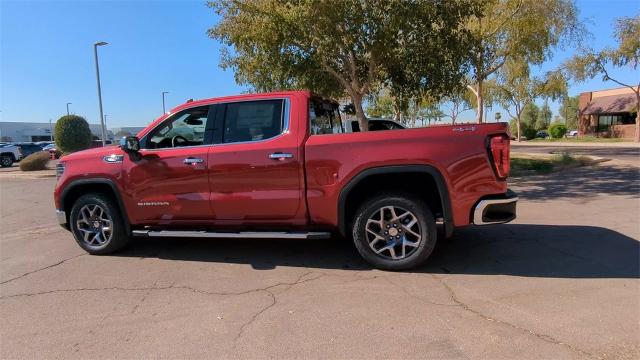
(50, 130)
(163, 109)
(68, 108)
(95, 55)
(105, 124)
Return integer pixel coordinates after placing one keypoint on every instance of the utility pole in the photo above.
(68, 108)
(95, 55)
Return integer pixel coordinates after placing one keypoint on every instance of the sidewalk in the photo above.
(626, 144)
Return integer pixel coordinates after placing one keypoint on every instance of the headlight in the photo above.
(59, 170)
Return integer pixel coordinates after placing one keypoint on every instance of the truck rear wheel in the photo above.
(96, 224)
(394, 231)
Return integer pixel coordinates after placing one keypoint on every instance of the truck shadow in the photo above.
(513, 249)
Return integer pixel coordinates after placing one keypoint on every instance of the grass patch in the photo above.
(530, 164)
(588, 139)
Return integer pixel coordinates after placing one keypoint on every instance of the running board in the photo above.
(232, 235)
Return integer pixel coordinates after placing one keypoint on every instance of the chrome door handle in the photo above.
(280, 156)
(192, 161)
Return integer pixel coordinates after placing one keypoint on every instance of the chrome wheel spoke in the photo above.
(94, 225)
(393, 232)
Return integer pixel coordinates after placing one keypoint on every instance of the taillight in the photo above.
(499, 147)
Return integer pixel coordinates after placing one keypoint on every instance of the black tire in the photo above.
(6, 160)
(425, 223)
(116, 238)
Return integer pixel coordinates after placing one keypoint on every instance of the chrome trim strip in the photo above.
(61, 216)
(483, 204)
(232, 235)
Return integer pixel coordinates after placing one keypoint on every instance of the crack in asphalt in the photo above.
(41, 269)
(273, 302)
(388, 279)
(544, 337)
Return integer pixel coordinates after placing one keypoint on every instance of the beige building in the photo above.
(607, 113)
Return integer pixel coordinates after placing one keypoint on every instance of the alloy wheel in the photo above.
(393, 232)
(95, 225)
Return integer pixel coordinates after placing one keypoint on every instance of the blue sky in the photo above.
(46, 51)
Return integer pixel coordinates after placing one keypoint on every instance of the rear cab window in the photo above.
(324, 117)
(253, 120)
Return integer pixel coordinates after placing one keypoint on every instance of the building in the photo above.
(126, 131)
(11, 131)
(607, 113)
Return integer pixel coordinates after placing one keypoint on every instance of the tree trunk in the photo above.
(480, 100)
(636, 138)
(356, 98)
(518, 127)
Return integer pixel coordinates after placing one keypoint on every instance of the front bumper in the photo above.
(496, 209)
(62, 218)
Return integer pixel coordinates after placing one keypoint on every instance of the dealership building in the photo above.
(13, 131)
(607, 113)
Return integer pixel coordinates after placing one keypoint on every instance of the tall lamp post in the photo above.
(105, 124)
(163, 109)
(95, 55)
(68, 108)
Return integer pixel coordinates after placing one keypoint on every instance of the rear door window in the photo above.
(253, 120)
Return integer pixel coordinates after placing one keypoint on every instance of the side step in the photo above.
(232, 235)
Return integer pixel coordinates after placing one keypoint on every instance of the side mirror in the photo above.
(130, 144)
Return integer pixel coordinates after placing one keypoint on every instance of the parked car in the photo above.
(9, 154)
(542, 134)
(29, 148)
(279, 165)
(573, 133)
(374, 125)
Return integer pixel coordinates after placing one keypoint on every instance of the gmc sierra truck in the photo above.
(279, 165)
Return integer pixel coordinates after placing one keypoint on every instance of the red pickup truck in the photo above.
(279, 165)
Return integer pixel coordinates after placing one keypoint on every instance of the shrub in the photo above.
(72, 133)
(557, 131)
(35, 161)
(529, 133)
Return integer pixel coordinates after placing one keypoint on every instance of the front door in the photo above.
(168, 182)
(255, 171)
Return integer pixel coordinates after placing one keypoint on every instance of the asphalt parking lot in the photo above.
(560, 282)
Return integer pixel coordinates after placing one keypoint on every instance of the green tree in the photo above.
(516, 89)
(530, 115)
(345, 47)
(569, 111)
(458, 103)
(72, 133)
(526, 30)
(544, 117)
(589, 63)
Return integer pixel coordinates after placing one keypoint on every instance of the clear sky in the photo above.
(46, 51)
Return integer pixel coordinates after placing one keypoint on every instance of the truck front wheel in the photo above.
(97, 225)
(394, 231)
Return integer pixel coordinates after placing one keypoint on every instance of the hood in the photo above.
(96, 153)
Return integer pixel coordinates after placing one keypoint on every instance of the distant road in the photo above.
(618, 152)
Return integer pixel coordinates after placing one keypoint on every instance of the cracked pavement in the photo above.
(560, 282)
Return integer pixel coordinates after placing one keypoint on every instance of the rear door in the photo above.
(168, 180)
(255, 172)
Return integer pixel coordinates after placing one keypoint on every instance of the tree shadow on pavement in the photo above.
(581, 182)
(511, 249)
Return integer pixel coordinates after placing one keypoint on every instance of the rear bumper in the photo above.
(496, 209)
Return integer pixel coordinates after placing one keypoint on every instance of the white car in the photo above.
(573, 133)
(9, 154)
(374, 125)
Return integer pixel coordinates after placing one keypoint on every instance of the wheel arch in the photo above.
(75, 189)
(360, 183)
